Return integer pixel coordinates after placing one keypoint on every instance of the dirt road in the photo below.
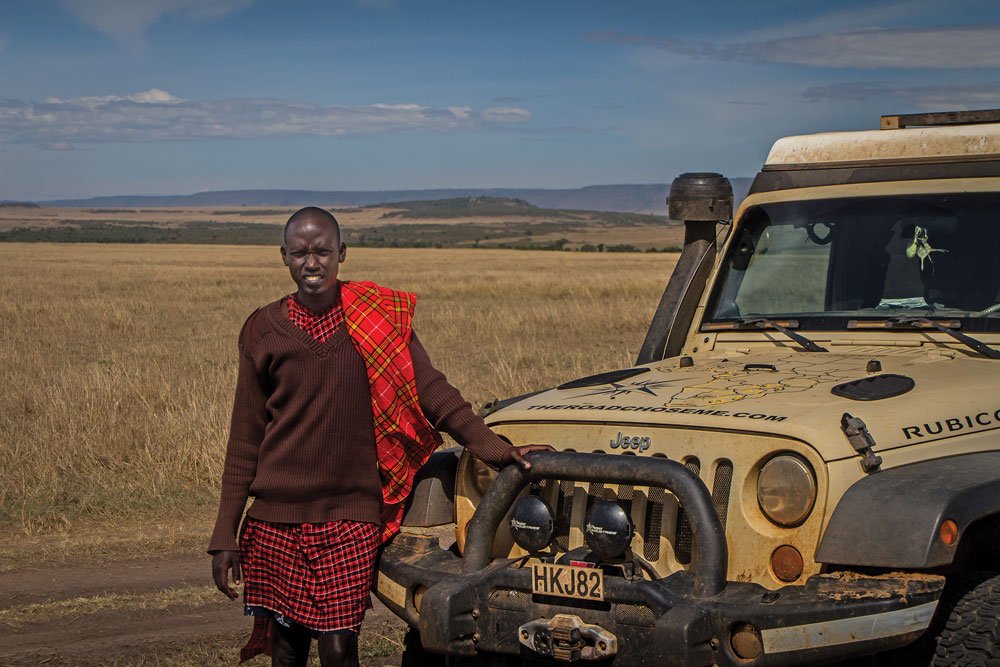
(134, 612)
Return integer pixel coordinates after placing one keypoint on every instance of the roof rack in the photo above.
(900, 121)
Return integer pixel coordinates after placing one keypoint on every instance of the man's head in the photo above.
(313, 251)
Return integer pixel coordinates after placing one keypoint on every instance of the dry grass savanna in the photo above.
(119, 363)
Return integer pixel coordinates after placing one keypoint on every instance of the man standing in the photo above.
(337, 406)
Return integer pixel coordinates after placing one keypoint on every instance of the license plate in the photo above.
(580, 583)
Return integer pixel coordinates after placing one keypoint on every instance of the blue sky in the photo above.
(177, 96)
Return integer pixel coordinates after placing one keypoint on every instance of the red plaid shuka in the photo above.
(380, 322)
(318, 575)
(321, 326)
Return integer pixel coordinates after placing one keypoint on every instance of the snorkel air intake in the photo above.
(701, 200)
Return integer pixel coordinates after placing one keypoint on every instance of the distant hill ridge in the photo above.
(613, 198)
(460, 206)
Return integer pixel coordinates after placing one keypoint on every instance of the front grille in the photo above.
(658, 517)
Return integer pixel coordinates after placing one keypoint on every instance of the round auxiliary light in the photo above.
(786, 490)
(608, 530)
(532, 524)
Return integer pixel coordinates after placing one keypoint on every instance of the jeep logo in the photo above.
(630, 442)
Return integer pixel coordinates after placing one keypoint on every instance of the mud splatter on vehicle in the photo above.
(802, 466)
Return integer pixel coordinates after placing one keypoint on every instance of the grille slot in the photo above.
(654, 525)
(685, 538)
(564, 515)
(596, 491)
(720, 489)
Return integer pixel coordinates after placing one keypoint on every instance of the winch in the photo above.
(567, 638)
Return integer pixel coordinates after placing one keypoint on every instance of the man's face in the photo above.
(313, 253)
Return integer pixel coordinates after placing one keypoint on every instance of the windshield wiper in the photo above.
(923, 322)
(764, 323)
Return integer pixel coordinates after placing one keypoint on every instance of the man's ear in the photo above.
(343, 253)
(284, 256)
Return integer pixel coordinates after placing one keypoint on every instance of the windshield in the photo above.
(825, 262)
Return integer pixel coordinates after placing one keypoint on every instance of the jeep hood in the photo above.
(786, 393)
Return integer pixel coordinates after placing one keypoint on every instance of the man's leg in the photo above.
(339, 649)
(289, 646)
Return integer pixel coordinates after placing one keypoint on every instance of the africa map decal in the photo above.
(728, 381)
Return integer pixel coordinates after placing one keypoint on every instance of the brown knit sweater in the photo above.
(302, 439)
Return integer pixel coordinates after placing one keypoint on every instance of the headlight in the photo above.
(786, 490)
(482, 475)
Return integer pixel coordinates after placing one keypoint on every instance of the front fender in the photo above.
(891, 518)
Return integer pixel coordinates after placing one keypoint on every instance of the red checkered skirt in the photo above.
(318, 575)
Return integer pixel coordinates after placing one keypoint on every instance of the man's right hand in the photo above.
(222, 562)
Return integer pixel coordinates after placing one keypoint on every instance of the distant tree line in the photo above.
(506, 227)
(89, 231)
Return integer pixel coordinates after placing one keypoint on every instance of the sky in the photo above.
(105, 97)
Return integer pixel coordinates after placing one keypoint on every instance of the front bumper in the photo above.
(465, 605)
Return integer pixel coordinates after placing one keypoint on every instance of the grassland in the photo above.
(119, 360)
(119, 363)
(486, 222)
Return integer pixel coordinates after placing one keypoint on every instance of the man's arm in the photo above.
(245, 434)
(447, 411)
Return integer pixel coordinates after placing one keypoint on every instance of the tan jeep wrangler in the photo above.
(803, 465)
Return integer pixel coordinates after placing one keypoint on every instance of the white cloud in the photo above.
(506, 115)
(904, 48)
(151, 96)
(850, 20)
(126, 21)
(156, 115)
(940, 48)
(59, 146)
(937, 97)
(398, 107)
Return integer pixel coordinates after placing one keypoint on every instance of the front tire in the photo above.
(968, 621)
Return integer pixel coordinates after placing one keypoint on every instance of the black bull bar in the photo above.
(709, 556)
(458, 603)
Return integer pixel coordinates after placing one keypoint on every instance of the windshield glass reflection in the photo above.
(825, 261)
